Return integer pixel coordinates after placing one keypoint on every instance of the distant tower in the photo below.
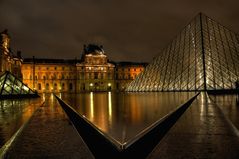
(5, 41)
(9, 61)
(5, 58)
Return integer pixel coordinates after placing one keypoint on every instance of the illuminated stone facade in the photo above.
(8, 60)
(126, 72)
(50, 75)
(93, 72)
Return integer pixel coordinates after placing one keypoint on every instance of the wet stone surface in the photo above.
(49, 134)
(202, 132)
(229, 104)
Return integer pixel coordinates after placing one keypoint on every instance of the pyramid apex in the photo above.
(194, 60)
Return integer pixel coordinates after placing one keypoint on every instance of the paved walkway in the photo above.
(201, 133)
(57, 138)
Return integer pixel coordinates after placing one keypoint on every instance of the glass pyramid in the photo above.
(204, 56)
(12, 87)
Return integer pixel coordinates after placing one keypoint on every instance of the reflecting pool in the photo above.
(124, 115)
(120, 115)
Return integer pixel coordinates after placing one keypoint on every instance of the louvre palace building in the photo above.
(92, 72)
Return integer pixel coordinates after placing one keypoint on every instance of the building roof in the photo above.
(12, 87)
(93, 49)
(5, 32)
(127, 63)
(204, 68)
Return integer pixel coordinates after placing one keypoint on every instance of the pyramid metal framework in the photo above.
(204, 56)
(12, 87)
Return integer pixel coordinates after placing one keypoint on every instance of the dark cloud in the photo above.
(134, 30)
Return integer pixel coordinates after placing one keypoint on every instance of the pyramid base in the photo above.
(225, 91)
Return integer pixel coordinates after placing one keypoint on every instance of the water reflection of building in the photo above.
(8, 60)
(93, 72)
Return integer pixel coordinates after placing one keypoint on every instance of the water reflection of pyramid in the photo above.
(204, 56)
(12, 87)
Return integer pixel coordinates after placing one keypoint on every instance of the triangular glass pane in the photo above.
(10, 85)
(203, 56)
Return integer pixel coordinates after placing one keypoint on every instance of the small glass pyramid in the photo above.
(12, 87)
(204, 56)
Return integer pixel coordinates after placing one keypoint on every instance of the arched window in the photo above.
(63, 86)
(39, 86)
(70, 86)
(55, 86)
(47, 86)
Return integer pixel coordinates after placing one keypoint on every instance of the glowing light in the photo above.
(109, 84)
(91, 84)
(44, 96)
(91, 106)
(110, 106)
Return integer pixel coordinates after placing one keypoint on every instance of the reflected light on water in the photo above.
(202, 98)
(123, 115)
(91, 106)
(110, 106)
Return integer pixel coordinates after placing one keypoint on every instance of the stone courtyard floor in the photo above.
(203, 131)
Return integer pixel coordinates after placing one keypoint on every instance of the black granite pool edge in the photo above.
(104, 146)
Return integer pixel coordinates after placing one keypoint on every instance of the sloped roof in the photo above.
(12, 87)
(204, 56)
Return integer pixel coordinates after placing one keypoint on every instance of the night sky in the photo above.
(129, 30)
